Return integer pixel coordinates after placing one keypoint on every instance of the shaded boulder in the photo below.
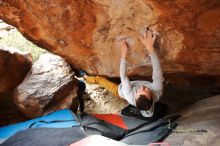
(203, 116)
(14, 65)
(50, 85)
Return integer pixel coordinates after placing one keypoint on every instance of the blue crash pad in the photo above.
(59, 119)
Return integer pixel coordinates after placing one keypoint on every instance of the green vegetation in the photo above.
(15, 39)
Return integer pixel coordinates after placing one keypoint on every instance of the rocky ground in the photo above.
(99, 100)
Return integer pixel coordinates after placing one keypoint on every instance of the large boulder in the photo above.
(14, 65)
(84, 32)
(204, 115)
(50, 85)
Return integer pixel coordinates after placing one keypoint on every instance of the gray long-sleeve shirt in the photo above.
(128, 89)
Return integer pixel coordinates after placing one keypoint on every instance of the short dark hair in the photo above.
(144, 103)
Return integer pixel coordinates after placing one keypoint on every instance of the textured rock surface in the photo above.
(14, 65)
(99, 100)
(84, 32)
(50, 85)
(202, 115)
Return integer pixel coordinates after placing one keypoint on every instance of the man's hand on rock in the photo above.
(148, 40)
(124, 48)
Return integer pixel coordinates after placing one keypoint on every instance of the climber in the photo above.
(142, 94)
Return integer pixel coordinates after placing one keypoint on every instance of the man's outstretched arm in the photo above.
(157, 76)
(123, 64)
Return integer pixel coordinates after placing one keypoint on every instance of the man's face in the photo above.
(144, 91)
